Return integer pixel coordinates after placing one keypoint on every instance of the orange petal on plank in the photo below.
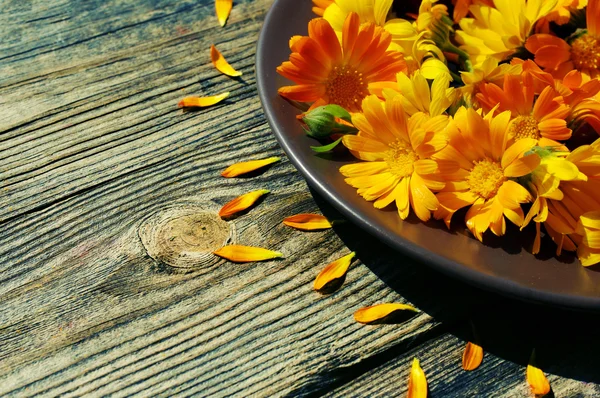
(221, 64)
(307, 222)
(246, 167)
(333, 271)
(537, 380)
(417, 383)
(223, 8)
(241, 203)
(380, 311)
(245, 254)
(472, 357)
(192, 102)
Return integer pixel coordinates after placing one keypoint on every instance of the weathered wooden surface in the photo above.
(93, 147)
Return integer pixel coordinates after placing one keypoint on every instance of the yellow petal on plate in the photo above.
(221, 64)
(195, 102)
(333, 271)
(537, 380)
(246, 167)
(246, 254)
(380, 311)
(241, 203)
(472, 357)
(223, 8)
(307, 222)
(417, 383)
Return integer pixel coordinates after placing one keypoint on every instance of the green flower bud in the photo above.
(325, 120)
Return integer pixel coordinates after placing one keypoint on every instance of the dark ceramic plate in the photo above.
(501, 265)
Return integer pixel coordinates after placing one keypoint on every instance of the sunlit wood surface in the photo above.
(103, 184)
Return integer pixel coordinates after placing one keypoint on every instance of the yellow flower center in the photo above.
(486, 178)
(525, 127)
(346, 87)
(585, 52)
(400, 158)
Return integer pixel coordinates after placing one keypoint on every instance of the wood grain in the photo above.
(93, 149)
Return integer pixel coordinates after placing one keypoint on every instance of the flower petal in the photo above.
(379, 311)
(417, 383)
(223, 8)
(241, 203)
(472, 356)
(307, 222)
(245, 254)
(333, 271)
(191, 102)
(537, 380)
(246, 167)
(221, 64)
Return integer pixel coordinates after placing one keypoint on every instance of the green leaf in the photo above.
(328, 147)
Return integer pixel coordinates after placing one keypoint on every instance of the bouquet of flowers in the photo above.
(486, 105)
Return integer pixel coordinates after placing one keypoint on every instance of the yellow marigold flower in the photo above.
(558, 57)
(331, 73)
(398, 152)
(487, 72)
(416, 95)
(499, 31)
(430, 14)
(461, 7)
(488, 166)
(374, 11)
(423, 55)
(319, 6)
(588, 227)
(560, 15)
(542, 118)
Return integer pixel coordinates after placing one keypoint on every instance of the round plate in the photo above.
(503, 264)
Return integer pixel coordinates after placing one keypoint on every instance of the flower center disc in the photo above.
(401, 158)
(585, 52)
(346, 87)
(525, 127)
(486, 178)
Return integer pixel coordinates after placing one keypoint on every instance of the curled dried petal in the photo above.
(241, 203)
(245, 254)
(333, 271)
(221, 64)
(472, 356)
(223, 8)
(246, 167)
(307, 222)
(417, 383)
(195, 102)
(535, 377)
(379, 311)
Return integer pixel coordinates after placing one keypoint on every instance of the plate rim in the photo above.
(456, 270)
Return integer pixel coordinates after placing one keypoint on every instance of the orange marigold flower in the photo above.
(487, 163)
(558, 57)
(331, 73)
(397, 151)
(543, 119)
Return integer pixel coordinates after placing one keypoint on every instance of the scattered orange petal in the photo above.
(417, 383)
(333, 271)
(380, 311)
(472, 357)
(307, 222)
(190, 102)
(221, 64)
(245, 254)
(246, 167)
(537, 380)
(241, 203)
(223, 8)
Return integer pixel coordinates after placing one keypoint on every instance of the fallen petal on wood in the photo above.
(380, 311)
(472, 356)
(221, 64)
(333, 271)
(535, 377)
(223, 8)
(241, 203)
(307, 222)
(417, 383)
(246, 254)
(246, 167)
(201, 102)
